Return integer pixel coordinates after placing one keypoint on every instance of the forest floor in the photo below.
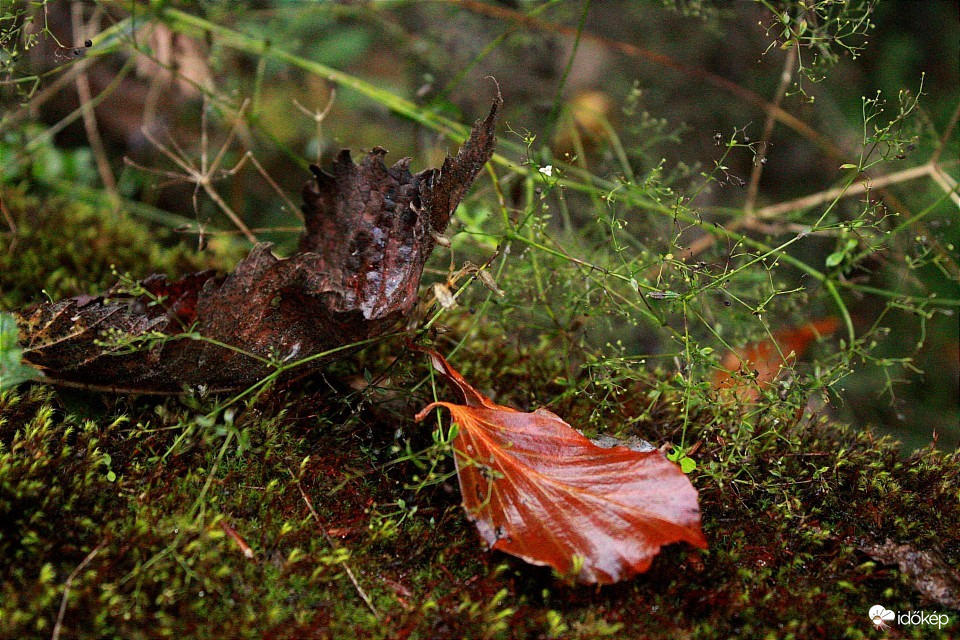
(296, 516)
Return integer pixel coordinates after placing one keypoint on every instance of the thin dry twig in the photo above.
(204, 175)
(330, 541)
(946, 135)
(786, 76)
(857, 188)
(10, 223)
(947, 183)
(82, 31)
(69, 584)
(269, 179)
(155, 90)
(755, 220)
(318, 116)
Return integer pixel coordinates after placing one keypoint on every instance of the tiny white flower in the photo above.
(547, 170)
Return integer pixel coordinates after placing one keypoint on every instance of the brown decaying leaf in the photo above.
(539, 490)
(369, 231)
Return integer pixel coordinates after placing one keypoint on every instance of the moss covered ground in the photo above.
(299, 516)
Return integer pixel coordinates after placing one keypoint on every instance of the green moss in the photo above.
(784, 559)
(65, 248)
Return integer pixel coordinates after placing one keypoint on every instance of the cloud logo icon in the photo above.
(879, 615)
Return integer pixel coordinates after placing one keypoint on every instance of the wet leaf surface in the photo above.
(538, 489)
(369, 230)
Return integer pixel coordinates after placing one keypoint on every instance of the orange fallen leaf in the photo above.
(539, 490)
(764, 357)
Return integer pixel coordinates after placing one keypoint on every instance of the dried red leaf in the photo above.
(539, 490)
(370, 229)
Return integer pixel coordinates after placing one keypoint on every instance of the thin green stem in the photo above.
(558, 97)
(487, 50)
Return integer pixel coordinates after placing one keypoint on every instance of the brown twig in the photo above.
(82, 31)
(786, 76)
(946, 135)
(10, 223)
(947, 183)
(330, 541)
(270, 181)
(857, 188)
(58, 626)
(159, 83)
(771, 212)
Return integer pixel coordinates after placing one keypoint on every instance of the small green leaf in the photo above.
(835, 258)
(687, 464)
(12, 369)
(848, 166)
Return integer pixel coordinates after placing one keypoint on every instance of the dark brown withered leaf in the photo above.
(369, 230)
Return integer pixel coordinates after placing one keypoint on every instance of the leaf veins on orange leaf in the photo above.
(538, 489)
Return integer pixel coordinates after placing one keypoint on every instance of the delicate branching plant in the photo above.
(821, 32)
(202, 176)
